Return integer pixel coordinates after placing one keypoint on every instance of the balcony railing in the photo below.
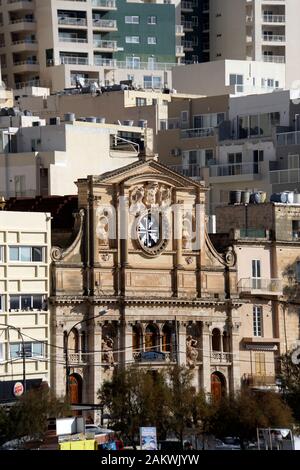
(234, 169)
(69, 21)
(276, 59)
(273, 37)
(220, 357)
(106, 24)
(77, 358)
(273, 18)
(197, 132)
(263, 286)
(288, 138)
(192, 171)
(160, 357)
(102, 44)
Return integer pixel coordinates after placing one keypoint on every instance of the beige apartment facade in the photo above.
(47, 160)
(264, 31)
(25, 242)
(265, 238)
(54, 43)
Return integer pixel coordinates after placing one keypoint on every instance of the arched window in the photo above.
(137, 339)
(151, 338)
(73, 343)
(166, 338)
(216, 340)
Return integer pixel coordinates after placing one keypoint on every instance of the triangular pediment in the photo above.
(147, 169)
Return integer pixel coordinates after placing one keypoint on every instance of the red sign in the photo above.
(18, 389)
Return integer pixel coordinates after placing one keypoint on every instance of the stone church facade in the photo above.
(142, 285)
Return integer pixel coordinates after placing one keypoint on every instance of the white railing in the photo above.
(77, 358)
(192, 171)
(70, 39)
(273, 18)
(104, 4)
(234, 169)
(291, 175)
(197, 132)
(72, 21)
(102, 44)
(220, 357)
(74, 60)
(278, 59)
(106, 24)
(288, 138)
(273, 37)
(260, 285)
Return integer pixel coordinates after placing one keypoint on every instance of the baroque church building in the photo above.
(141, 284)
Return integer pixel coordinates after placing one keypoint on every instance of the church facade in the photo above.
(142, 285)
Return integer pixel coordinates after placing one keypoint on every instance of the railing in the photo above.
(104, 3)
(70, 39)
(101, 44)
(220, 357)
(72, 21)
(168, 357)
(197, 132)
(192, 171)
(277, 59)
(291, 175)
(77, 358)
(74, 60)
(273, 37)
(273, 18)
(109, 24)
(288, 138)
(234, 169)
(252, 233)
(260, 285)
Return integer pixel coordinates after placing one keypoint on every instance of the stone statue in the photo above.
(165, 196)
(186, 234)
(191, 351)
(102, 230)
(107, 351)
(151, 192)
(136, 202)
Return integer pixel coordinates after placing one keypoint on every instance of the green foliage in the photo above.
(290, 383)
(28, 417)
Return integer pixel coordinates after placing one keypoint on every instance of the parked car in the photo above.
(97, 430)
(220, 445)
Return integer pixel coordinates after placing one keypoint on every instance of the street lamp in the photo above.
(101, 313)
(23, 351)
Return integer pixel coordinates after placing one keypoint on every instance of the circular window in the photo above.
(152, 230)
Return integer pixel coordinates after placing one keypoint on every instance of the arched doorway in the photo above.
(75, 389)
(218, 386)
(137, 339)
(151, 338)
(73, 343)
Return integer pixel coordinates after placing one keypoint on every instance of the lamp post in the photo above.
(23, 351)
(101, 313)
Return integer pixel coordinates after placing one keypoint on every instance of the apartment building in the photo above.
(233, 144)
(25, 241)
(235, 77)
(258, 30)
(266, 242)
(48, 159)
(6, 96)
(59, 44)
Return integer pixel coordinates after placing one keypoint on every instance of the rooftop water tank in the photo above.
(70, 117)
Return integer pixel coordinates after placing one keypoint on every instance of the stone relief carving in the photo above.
(107, 352)
(59, 254)
(230, 256)
(191, 351)
(150, 195)
(187, 231)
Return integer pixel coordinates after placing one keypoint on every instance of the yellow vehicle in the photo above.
(89, 444)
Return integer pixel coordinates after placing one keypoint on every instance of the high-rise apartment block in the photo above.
(56, 43)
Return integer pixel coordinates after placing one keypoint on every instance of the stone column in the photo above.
(206, 352)
(128, 343)
(58, 376)
(181, 343)
(94, 360)
(235, 357)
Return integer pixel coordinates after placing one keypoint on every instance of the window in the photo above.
(151, 40)
(184, 116)
(256, 274)
(27, 302)
(26, 254)
(237, 81)
(257, 321)
(1, 303)
(133, 62)
(152, 20)
(132, 19)
(132, 39)
(260, 364)
(30, 349)
(258, 156)
(152, 82)
(1, 352)
(140, 101)
(1, 254)
(296, 229)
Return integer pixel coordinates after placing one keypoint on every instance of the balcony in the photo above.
(105, 5)
(288, 138)
(105, 45)
(234, 172)
(154, 357)
(191, 171)
(197, 132)
(275, 38)
(71, 21)
(187, 7)
(179, 51)
(179, 30)
(289, 176)
(74, 60)
(276, 59)
(277, 19)
(260, 287)
(76, 359)
(218, 357)
(105, 25)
